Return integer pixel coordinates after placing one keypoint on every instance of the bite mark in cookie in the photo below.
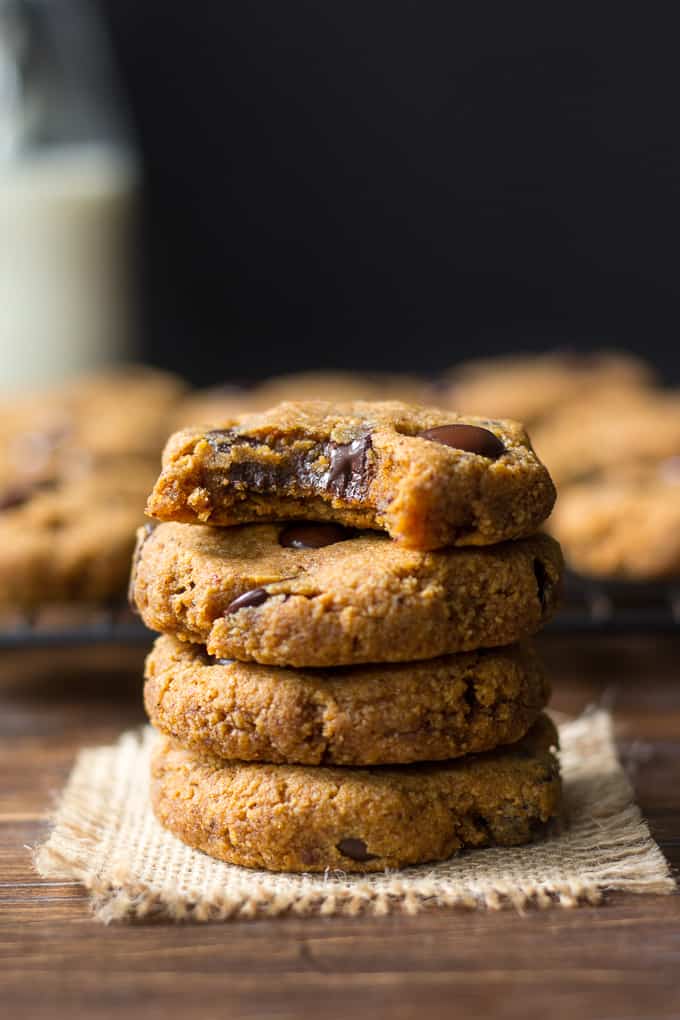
(428, 478)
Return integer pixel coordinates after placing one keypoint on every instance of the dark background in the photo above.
(366, 185)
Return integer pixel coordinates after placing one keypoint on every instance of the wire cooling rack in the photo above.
(70, 626)
(589, 606)
(618, 606)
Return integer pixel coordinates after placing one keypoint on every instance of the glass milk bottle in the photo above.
(68, 180)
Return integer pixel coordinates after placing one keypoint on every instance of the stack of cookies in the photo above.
(343, 679)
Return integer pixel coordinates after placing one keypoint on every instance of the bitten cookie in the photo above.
(429, 478)
(317, 595)
(302, 818)
(364, 715)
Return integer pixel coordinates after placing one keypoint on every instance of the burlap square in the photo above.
(106, 836)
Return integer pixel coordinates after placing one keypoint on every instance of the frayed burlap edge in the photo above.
(104, 835)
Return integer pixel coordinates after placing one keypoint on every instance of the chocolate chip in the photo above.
(254, 597)
(470, 697)
(222, 440)
(355, 849)
(482, 826)
(17, 495)
(545, 585)
(348, 473)
(470, 438)
(313, 536)
(12, 498)
(256, 477)
(223, 662)
(538, 829)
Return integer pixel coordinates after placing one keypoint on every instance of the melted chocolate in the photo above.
(222, 440)
(348, 473)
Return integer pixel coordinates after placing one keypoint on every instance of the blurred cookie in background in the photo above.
(616, 430)
(623, 524)
(77, 462)
(62, 432)
(71, 540)
(530, 387)
(118, 413)
(211, 405)
(124, 412)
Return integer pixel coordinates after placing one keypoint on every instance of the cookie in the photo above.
(429, 478)
(67, 430)
(215, 405)
(529, 387)
(419, 711)
(305, 818)
(71, 540)
(321, 595)
(613, 432)
(624, 524)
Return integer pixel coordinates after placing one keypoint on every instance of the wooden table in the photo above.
(621, 960)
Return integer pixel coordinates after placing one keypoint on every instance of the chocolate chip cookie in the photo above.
(615, 431)
(623, 524)
(66, 430)
(362, 715)
(323, 595)
(71, 539)
(429, 478)
(302, 818)
(529, 387)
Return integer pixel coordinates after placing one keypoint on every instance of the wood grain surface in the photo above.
(621, 960)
